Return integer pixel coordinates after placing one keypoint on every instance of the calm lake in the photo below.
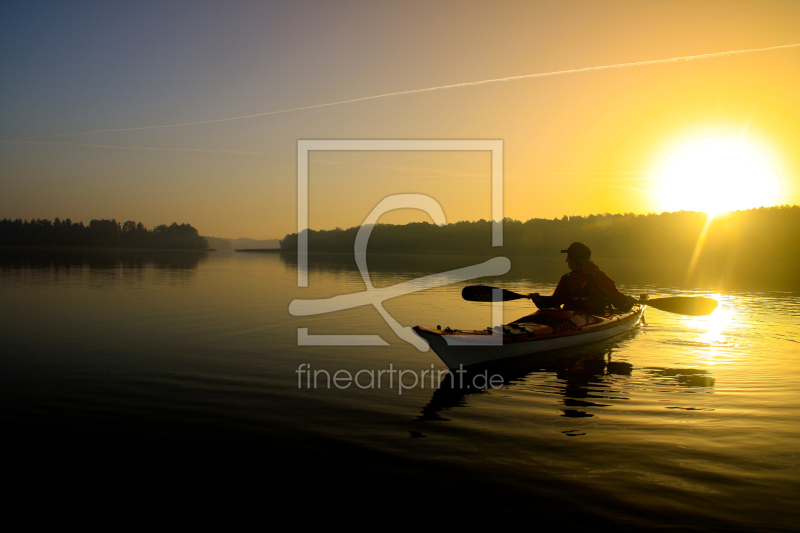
(182, 370)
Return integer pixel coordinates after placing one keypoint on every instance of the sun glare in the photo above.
(715, 175)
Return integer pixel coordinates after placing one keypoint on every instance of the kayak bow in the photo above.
(541, 331)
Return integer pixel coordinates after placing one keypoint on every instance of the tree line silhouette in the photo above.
(100, 233)
(771, 233)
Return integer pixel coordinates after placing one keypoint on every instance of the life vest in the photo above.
(582, 294)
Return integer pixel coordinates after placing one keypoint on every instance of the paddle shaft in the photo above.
(684, 305)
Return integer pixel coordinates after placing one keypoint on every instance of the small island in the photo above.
(100, 233)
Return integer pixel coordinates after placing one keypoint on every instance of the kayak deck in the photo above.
(541, 331)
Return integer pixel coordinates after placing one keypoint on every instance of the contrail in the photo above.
(429, 89)
(157, 148)
(631, 188)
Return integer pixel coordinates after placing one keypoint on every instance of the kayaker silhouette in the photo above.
(585, 288)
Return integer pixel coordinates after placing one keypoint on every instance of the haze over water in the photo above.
(142, 365)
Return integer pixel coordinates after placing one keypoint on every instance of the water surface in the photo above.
(185, 368)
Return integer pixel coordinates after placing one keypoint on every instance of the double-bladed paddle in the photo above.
(683, 305)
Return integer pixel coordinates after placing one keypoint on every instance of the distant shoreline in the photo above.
(260, 250)
(103, 249)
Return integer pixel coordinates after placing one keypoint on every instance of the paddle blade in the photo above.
(482, 293)
(684, 305)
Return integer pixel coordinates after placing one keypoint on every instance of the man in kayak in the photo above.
(585, 288)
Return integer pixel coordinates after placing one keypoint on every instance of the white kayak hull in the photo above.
(459, 349)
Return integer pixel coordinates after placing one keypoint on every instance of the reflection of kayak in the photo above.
(542, 331)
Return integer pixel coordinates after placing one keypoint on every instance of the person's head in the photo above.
(578, 254)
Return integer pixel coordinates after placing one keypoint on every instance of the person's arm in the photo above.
(545, 302)
(618, 299)
(550, 302)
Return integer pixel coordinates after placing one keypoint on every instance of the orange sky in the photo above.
(574, 144)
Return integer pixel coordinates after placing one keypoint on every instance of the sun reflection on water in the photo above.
(714, 333)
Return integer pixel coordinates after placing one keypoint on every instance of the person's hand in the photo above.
(534, 297)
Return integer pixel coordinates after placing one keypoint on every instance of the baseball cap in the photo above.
(578, 250)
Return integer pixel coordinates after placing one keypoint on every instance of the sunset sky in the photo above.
(575, 143)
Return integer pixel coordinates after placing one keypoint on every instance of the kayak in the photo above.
(544, 330)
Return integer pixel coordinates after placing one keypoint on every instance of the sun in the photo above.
(715, 175)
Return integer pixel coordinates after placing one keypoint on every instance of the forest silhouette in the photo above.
(752, 248)
(99, 234)
(768, 232)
